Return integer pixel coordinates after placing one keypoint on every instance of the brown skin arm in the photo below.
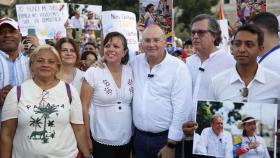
(82, 139)
(8, 130)
(86, 96)
(3, 93)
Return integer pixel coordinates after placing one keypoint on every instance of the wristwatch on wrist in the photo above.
(89, 156)
(171, 145)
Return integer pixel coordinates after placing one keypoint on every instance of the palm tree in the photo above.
(46, 112)
(35, 122)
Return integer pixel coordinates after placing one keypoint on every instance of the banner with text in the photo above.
(125, 23)
(47, 19)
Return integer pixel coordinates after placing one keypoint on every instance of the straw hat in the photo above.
(244, 119)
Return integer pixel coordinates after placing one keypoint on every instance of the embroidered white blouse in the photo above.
(110, 110)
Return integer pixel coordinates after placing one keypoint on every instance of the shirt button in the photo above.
(120, 107)
(119, 102)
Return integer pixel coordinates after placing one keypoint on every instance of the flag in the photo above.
(221, 15)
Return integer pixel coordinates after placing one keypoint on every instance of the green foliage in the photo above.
(191, 8)
(203, 116)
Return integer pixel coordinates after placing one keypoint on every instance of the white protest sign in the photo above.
(125, 23)
(47, 19)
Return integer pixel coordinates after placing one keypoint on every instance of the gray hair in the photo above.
(216, 116)
(213, 26)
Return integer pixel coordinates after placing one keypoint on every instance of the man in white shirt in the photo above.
(270, 56)
(77, 21)
(162, 98)
(206, 63)
(209, 60)
(214, 140)
(248, 80)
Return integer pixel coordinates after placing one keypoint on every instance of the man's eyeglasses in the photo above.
(244, 92)
(200, 33)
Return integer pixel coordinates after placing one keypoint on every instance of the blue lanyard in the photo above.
(269, 52)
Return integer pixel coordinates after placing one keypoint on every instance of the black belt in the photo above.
(151, 134)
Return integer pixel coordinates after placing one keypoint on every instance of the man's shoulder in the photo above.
(223, 75)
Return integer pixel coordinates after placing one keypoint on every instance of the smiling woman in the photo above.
(70, 58)
(43, 111)
(106, 98)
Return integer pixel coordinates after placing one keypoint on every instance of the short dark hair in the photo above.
(266, 20)
(86, 53)
(73, 43)
(109, 37)
(90, 43)
(148, 7)
(213, 26)
(254, 29)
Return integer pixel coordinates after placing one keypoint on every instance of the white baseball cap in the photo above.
(9, 21)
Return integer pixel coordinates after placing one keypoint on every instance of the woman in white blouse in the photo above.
(253, 146)
(70, 58)
(106, 98)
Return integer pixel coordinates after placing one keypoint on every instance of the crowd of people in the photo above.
(55, 102)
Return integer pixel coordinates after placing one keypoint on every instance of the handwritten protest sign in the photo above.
(47, 19)
(123, 22)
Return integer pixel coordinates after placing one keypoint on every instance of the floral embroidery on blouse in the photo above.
(107, 88)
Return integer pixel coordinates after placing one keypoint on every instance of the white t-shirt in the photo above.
(110, 111)
(44, 121)
(78, 80)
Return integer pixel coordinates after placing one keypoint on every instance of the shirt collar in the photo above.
(260, 77)
(212, 55)
(7, 56)
(4, 54)
(162, 62)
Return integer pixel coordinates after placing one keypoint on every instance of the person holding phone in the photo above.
(30, 42)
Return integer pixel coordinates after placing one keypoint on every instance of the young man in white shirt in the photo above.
(248, 80)
(162, 98)
(214, 140)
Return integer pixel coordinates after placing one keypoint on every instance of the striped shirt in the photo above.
(13, 72)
